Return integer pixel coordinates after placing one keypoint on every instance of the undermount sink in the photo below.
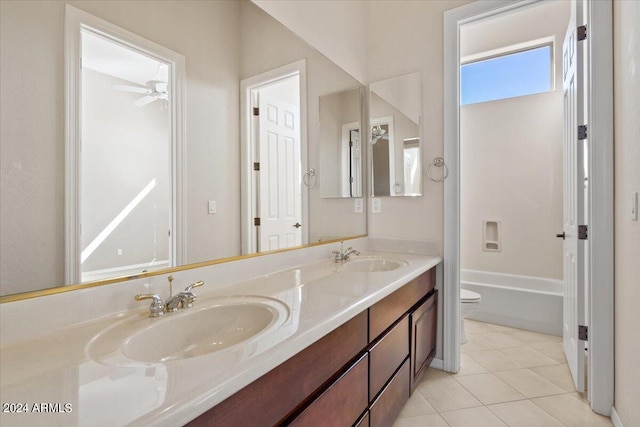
(373, 264)
(193, 332)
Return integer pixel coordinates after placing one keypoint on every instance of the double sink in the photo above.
(214, 325)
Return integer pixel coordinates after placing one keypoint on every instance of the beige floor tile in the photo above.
(560, 375)
(498, 340)
(553, 350)
(489, 389)
(475, 342)
(528, 357)
(433, 374)
(431, 420)
(473, 417)
(501, 328)
(570, 411)
(474, 327)
(529, 383)
(494, 360)
(523, 413)
(468, 366)
(530, 337)
(580, 396)
(415, 406)
(447, 395)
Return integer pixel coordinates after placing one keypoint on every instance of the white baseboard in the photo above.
(615, 418)
(437, 364)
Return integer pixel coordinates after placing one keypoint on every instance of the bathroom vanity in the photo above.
(360, 374)
(348, 341)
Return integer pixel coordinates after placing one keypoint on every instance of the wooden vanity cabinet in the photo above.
(424, 320)
(360, 375)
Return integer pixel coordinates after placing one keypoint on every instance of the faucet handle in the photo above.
(194, 285)
(156, 309)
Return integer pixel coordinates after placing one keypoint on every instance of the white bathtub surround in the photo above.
(525, 302)
(53, 365)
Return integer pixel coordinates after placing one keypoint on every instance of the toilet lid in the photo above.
(469, 296)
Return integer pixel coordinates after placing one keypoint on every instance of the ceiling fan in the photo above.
(377, 133)
(152, 90)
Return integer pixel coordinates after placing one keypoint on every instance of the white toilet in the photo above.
(469, 301)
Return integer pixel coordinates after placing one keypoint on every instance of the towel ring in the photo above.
(310, 178)
(438, 162)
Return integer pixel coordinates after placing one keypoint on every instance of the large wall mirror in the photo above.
(165, 173)
(395, 145)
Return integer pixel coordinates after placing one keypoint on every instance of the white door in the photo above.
(280, 179)
(573, 209)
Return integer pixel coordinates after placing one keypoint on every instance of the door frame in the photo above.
(600, 294)
(76, 21)
(247, 182)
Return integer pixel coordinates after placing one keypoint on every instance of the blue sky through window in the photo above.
(516, 74)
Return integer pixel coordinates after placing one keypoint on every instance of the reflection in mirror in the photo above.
(396, 110)
(340, 155)
(223, 43)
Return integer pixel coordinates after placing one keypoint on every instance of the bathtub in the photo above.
(525, 302)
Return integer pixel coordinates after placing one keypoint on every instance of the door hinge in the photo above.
(256, 111)
(582, 132)
(582, 32)
(256, 222)
(256, 166)
(583, 333)
(583, 231)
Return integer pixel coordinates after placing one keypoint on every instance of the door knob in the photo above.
(297, 225)
(561, 236)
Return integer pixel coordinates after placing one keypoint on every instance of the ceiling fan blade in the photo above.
(132, 89)
(144, 101)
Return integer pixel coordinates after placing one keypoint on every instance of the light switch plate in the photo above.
(376, 205)
(212, 206)
(357, 206)
(634, 206)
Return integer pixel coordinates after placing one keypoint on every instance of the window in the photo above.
(506, 76)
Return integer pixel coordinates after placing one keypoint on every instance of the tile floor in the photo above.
(508, 377)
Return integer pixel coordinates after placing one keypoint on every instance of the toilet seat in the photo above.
(467, 296)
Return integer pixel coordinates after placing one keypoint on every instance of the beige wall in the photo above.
(336, 28)
(511, 155)
(626, 16)
(415, 44)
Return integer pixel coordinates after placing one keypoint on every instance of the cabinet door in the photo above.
(424, 322)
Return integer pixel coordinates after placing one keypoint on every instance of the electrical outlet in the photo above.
(357, 206)
(212, 206)
(376, 205)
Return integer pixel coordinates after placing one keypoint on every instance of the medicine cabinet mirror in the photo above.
(395, 144)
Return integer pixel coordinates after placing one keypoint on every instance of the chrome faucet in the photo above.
(156, 309)
(343, 255)
(184, 299)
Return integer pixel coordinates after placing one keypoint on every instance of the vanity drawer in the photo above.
(387, 354)
(388, 405)
(342, 403)
(276, 395)
(363, 421)
(384, 313)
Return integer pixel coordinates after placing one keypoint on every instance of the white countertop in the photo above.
(56, 368)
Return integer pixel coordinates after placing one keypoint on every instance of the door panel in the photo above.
(573, 206)
(280, 189)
